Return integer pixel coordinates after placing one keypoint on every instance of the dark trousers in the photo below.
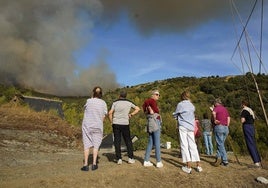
(122, 130)
(249, 133)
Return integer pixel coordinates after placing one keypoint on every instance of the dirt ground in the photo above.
(41, 150)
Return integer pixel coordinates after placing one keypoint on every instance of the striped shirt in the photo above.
(95, 111)
(92, 125)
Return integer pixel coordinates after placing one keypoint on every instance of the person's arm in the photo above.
(136, 110)
(243, 120)
(211, 108)
(243, 117)
(144, 107)
(228, 120)
(110, 114)
(154, 107)
(150, 110)
(216, 122)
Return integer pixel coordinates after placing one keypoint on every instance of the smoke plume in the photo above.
(38, 38)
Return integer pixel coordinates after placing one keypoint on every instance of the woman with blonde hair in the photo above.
(150, 107)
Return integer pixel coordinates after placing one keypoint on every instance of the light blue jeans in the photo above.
(221, 133)
(154, 139)
(208, 142)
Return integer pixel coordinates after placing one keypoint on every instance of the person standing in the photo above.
(150, 107)
(198, 134)
(207, 133)
(247, 119)
(119, 117)
(186, 124)
(92, 126)
(221, 119)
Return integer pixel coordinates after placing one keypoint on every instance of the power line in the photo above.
(244, 32)
(261, 37)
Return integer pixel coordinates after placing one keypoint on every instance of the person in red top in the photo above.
(150, 107)
(221, 119)
(197, 134)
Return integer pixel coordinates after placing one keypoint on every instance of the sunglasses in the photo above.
(157, 94)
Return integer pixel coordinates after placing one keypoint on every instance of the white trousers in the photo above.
(189, 152)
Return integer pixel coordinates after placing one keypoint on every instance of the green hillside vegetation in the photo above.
(231, 89)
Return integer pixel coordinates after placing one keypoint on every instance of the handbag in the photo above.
(152, 122)
(197, 131)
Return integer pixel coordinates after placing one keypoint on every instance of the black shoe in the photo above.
(94, 167)
(224, 163)
(85, 168)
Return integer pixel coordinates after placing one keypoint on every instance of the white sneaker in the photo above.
(147, 163)
(186, 169)
(199, 169)
(119, 161)
(257, 164)
(159, 164)
(262, 180)
(131, 161)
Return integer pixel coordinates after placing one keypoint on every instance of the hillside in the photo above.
(231, 89)
(41, 150)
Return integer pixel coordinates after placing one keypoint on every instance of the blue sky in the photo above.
(203, 50)
(68, 48)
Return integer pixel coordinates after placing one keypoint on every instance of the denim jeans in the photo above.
(154, 139)
(208, 142)
(221, 133)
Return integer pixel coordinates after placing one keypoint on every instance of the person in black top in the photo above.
(247, 120)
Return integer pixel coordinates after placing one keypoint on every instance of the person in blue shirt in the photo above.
(185, 112)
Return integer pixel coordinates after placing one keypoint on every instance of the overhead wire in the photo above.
(238, 47)
(244, 26)
(245, 34)
(262, 5)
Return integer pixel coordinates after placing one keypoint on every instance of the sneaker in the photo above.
(94, 167)
(119, 161)
(224, 163)
(85, 168)
(147, 163)
(159, 164)
(199, 169)
(262, 180)
(186, 169)
(257, 165)
(131, 161)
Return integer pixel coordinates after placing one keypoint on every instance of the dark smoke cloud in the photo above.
(37, 42)
(170, 16)
(39, 37)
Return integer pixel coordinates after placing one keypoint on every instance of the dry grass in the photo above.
(41, 150)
